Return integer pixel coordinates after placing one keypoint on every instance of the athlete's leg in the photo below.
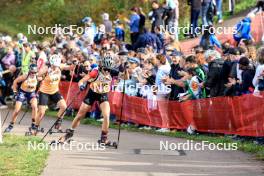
(14, 116)
(80, 115)
(41, 113)
(105, 108)
(34, 106)
(76, 122)
(62, 107)
(17, 109)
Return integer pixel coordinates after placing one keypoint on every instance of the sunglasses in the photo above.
(106, 69)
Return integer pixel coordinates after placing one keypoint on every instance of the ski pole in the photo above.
(60, 116)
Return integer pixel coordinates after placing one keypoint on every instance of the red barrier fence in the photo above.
(242, 115)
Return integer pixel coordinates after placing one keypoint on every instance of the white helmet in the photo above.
(55, 60)
(108, 62)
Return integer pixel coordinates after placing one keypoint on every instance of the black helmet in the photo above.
(33, 68)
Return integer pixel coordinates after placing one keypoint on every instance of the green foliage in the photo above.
(16, 15)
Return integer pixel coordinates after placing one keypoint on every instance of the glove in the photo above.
(15, 96)
(82, 87)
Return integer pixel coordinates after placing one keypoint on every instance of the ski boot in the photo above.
(57, 127)
(9, 128)
(105, 142)
(34, 130)
(67, 138)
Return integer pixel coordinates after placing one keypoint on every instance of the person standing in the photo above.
(205, 8)
(196, 6)
(134, 25)
(219, 4)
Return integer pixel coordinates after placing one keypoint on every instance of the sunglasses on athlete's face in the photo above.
(106, 69)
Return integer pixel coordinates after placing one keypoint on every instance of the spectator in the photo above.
(27, 55)
(142, 20)
(219, 12)
(176, 87)
(107, 23)
(244, 86)
(231, 6)
(214, 82)
(42, 57)
(134, 25)
(205, 9)
(243, 29)
(9, 59)
(209, 39)
(148, 39)
(156, 16)
(196, 6)
(258, 80)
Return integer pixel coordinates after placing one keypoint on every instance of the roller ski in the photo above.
(34, 130)
(66, 139)
(57, 128)
(105, 142)
(9, 128)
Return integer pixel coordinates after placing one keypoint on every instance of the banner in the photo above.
(243, 115)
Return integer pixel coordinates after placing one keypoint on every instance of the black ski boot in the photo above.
(58, 125)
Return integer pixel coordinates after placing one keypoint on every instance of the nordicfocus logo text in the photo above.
(190, 145)
(66, 146)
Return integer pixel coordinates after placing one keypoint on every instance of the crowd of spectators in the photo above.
(152, 58)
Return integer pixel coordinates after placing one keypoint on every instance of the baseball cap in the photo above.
(134, 60)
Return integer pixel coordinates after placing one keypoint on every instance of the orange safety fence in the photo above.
(242, 115)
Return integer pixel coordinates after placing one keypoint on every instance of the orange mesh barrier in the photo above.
(242, 115)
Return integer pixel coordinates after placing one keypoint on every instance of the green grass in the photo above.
(17, 160)
(249, 146)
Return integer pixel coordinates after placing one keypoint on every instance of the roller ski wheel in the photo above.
(28, 133)
(58, 142)
(108, 144)
(9, 129)
(39, 130)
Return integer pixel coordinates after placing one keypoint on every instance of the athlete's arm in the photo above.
(92, 75)
(18, 80)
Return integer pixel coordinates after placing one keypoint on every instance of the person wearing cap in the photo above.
(176, 89)
(245, 85)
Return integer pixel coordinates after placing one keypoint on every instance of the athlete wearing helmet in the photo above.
(49, 90)
(100, 83)
(26, 92)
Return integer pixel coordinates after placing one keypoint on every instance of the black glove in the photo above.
(82, 87)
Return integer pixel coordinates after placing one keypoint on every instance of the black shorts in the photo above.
(92, 97)
(44, 98)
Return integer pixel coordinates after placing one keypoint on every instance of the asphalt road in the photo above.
(138, 155)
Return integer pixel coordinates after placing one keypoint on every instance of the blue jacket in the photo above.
(134, 23)
(120, 33)
(148, 39)
(243, 30)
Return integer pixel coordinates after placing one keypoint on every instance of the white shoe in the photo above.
(163, 130)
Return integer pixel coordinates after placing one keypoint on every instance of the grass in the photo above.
(247, 146)
(17, 160)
